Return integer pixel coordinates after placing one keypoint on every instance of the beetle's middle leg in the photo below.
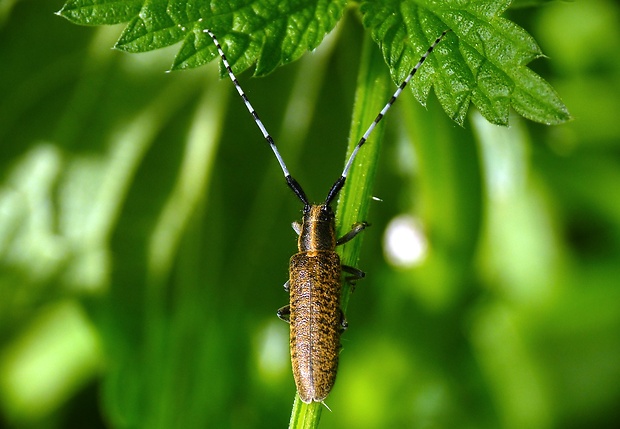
(284, 313)
(354, 274)
(343, 322)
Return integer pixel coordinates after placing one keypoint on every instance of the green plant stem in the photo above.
(372, 93)
(305, 416)
(374, 88)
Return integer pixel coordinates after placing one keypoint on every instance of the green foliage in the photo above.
(257, 31)
(485, 64)
(101, 12)
(144, 224)
(530, 3)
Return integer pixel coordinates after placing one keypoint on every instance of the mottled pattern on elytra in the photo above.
(315, 322)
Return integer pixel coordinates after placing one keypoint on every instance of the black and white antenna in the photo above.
(337, 186)
(292, 183)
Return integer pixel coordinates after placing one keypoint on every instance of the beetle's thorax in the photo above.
(318, 229)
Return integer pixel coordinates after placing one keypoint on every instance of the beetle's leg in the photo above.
(284, 313)
(355, 229)
(296, 227)
(287, 286)
(343, 322)
(355, 275)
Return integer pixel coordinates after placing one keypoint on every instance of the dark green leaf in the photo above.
(483, 61)
(252, 31)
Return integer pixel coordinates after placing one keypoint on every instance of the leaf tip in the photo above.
(118, 47)
(66, 12)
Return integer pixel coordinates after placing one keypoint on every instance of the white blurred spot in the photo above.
(404, 242)
(273, 354)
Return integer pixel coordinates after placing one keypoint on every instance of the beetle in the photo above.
(314, 285)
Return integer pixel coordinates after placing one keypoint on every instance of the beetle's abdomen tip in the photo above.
(306, 399)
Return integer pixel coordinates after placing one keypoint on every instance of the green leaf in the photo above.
(482, 62)
(100, 12)
(531, 3)
(154, 28)
(260, 33)
(253, 32)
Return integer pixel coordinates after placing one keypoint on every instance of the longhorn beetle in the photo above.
(314, 314)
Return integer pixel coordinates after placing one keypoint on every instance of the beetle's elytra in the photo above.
(315, 319)
(314, 311)
(314, 284)
(315, 316)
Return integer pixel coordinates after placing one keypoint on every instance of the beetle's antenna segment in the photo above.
(336, 187)
(292, 183)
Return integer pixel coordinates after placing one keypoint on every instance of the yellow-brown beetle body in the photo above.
(315, 315)
(314, 312)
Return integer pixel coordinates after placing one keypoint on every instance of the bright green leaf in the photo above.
(483, 61)
(531, 3)
(152, 29)
(261, 33)
(100, 12)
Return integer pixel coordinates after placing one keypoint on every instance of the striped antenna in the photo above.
(337, 186)
(292, 183)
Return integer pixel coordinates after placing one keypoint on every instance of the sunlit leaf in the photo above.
(483, 62)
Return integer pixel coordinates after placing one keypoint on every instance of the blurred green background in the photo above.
(145, 233)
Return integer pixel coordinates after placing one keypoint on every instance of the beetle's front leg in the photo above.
(355, 229)
(296, 227)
